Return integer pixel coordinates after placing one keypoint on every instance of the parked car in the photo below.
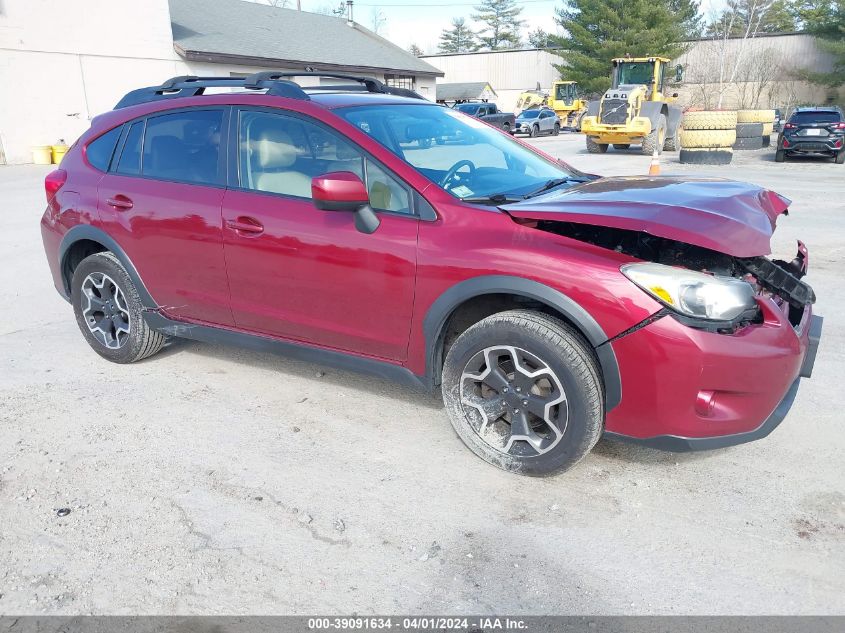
(537, 121)
(817, 130)
(777, 124)
(550, 306)
(489, 113)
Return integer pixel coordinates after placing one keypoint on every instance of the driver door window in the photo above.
(281, 154)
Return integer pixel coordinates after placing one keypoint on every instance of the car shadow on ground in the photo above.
(291, 367)
(286, 365)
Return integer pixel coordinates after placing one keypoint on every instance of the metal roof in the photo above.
(463, 91)
(254, 34)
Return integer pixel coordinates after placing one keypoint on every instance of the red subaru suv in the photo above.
(358, 226)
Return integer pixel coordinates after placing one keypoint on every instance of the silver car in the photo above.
(537, 121)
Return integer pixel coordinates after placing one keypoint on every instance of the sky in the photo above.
(418, 22)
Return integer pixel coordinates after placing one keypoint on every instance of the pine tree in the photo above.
(459, 39)
(599, 30)
(826, 20)
(501, 18)
(415, 50)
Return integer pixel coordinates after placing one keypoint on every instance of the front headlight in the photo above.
(693, 293)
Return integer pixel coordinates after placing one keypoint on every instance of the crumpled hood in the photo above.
(727, 216)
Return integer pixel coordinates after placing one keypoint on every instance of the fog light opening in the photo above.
(705, 402)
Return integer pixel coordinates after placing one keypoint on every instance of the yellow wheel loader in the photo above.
(566, 103)
(635, 110)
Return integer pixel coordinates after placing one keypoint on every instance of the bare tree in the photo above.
(377, 20)
(755, 77)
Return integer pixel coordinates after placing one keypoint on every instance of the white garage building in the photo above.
(64, 61)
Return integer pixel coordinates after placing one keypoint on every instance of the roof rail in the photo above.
(278, 84)
(191, 86)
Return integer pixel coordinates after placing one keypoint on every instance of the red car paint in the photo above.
(250, 262)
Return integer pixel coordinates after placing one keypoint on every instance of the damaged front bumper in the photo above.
(709, 390)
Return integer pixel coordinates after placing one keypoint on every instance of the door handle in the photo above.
(119, 202)
(244, 224)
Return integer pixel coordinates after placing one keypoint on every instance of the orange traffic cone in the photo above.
(654, 167)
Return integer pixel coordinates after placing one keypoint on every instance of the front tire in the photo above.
(109, 312)
(534, 131)
(556, 130)
(655, 139)
(596, 148)
(523, 391)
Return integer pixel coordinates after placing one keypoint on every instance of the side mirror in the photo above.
(344, 191)
(679, 74)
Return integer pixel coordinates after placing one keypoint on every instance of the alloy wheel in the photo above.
(514, 401)
(105, 311)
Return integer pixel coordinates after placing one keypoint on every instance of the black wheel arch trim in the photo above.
(442, 308)
(92, 233)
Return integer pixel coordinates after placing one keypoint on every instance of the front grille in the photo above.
(614, 111)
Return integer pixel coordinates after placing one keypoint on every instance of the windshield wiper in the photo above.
(551, 184)
(495, 198)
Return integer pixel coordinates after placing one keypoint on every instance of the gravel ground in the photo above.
(216, 480)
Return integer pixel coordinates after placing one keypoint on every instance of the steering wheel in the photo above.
(452, 174)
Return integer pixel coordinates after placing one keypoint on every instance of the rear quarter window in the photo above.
(100, 150)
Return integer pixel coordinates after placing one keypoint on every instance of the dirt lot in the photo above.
(216, 480)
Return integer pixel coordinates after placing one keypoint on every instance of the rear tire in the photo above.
(673, 142)
(654, 140)
(596, 148)
(109, 312)
(780, 156)
(502, 370)
(840, 158)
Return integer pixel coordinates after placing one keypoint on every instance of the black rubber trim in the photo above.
(221, 336)
(439, 312)
(813, 346)
(88, 232)
(678, 444)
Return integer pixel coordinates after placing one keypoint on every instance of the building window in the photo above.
(399, 81)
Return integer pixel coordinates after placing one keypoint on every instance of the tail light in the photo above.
(789, 126)
(54, 181)
(838, 126)
(785, 143)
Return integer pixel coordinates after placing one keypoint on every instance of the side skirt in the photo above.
(220, 336)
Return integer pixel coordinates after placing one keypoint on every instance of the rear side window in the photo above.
(100, 150)
(130, 158)
(801, 118)
(183, 146)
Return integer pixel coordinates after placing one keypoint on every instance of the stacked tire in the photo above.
(707, 137)
(754, 129)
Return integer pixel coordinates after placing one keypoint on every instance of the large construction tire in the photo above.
(768, 129)
(706, 156)
(709, 120)
(707, 138)
(749, 130)
(755, 116)
(653, 141)
(673, 141)
(755, 142)
(596, 148)
(767, 141)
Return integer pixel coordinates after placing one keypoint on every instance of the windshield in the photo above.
(635, 73)
(529, 114)
(467, 108)
(466, 157)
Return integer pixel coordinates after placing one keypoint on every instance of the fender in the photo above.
(673, 120)
(88, 232)
(439, 312)
(592, 108)
(652, 111)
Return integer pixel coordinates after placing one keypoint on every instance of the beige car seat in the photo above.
(272, 153)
